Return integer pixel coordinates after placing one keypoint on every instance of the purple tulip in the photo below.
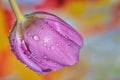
(45, 43)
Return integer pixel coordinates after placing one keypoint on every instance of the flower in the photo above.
(45, 43)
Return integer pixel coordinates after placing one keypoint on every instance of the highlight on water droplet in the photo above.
(36, 37)
(66, 36)
(29, 57)
(25, 65)
(45, 57)
(45, 44)
(48, 48)
(69, 44)
(29, 34)
(57, 44)
(52, 47)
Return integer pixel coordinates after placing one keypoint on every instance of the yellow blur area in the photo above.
(3, 39)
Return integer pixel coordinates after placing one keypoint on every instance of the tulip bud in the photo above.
(45, 43)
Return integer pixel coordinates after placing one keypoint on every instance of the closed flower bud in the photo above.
(44, 42)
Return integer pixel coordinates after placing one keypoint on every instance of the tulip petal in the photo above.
(45, 43)
(65, 29)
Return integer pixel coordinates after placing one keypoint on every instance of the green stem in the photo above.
(16, 10)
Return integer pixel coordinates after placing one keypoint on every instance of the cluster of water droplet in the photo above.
(45, 43)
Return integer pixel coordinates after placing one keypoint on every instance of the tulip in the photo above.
(43, 41)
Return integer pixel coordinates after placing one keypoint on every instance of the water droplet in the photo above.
(44, 44)
(57, 44)
(29, 57)
(66, 36)
(29, 34)
(52, 47)
(56, 63)
(48, 48)
(23, 42)
(69, 44)
(25, 65)
(35, 37)
(57, 24)
(45, 57)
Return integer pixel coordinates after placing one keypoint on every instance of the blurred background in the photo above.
(97, 20)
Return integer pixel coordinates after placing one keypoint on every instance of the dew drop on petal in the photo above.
(69, 44)
(23, 42)
(29, 34)
(57, 44)
(29, 57)
(52, 47)
(25, 65)
(45, 57)
(56, 63)
(66, 36)
(44, 44)
(48, 48)
(35, 37)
